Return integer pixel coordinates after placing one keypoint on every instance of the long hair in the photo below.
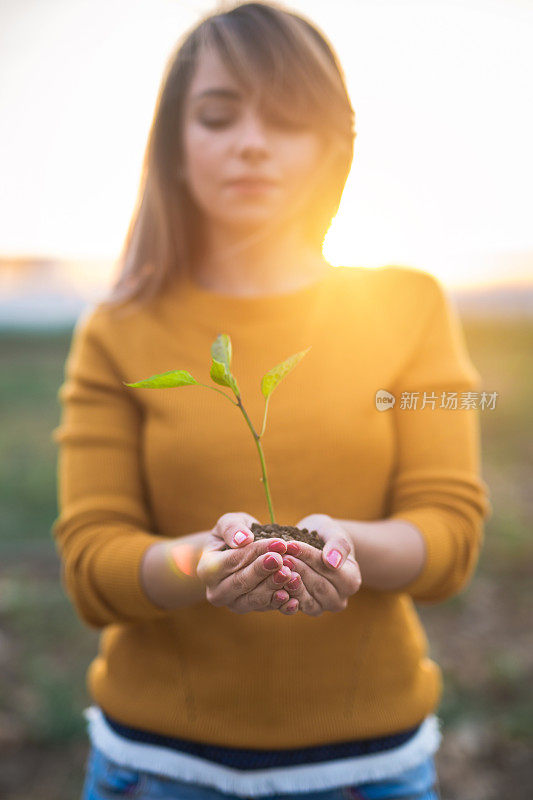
(299, 78)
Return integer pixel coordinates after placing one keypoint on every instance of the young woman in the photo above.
(195, 694)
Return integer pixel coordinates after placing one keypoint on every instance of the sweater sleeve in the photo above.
(436, 484)
(103, 527)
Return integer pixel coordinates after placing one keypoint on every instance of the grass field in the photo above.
(482, 638)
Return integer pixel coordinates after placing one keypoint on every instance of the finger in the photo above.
(215, 565)
(275, 580)
(235, 528)
(283, 602)
(267, 595)
(330, 590)
(222, 538)
(337, 545)
(307, 603)
(315, 558)
(318, 593)
(279, 597)
(336, 551)
(290, 607)
(309, 563)
(243, 580)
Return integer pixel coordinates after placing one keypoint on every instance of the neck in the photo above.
(282, 264)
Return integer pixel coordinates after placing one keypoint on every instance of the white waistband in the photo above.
(300, 778)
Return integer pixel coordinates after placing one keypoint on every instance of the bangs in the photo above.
(287, 83)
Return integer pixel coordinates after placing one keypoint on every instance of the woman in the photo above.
(195, 695)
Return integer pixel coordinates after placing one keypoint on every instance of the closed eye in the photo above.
(287, 123)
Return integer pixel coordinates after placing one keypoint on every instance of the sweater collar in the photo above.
(199, 299)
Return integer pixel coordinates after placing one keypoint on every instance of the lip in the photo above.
(249, 185)
(252, 182)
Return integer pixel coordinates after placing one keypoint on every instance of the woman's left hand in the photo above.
(321, 586)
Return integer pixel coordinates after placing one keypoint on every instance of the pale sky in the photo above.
(442, 175)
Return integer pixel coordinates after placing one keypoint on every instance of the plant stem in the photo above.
(257, 438)
(264, 479)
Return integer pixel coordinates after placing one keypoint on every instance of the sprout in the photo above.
(220, 373)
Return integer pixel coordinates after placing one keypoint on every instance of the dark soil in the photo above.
(286, 532)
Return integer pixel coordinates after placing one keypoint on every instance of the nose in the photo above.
(252, 139)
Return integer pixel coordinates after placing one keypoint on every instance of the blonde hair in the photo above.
(298, 77)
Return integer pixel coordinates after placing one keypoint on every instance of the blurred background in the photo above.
(441, 181)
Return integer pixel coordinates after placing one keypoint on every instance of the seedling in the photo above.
(221, 353)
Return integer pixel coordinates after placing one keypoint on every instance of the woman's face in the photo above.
(226, 138)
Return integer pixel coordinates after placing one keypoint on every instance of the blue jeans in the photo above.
(105, 779)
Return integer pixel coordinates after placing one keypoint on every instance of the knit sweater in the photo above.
(137, 466)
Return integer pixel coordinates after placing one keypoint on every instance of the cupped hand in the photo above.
(322, 586)
(248, 576)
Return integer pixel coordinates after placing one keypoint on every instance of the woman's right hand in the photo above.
(239, 578)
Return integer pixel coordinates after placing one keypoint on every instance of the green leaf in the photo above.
(275, 375)
(166, 380)
(221, 349)
(221, 353)
(221, 375)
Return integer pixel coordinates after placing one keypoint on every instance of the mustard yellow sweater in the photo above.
(139, 465)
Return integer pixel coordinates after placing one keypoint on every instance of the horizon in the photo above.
(91, 275)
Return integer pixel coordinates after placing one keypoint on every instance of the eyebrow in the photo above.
(218, 92)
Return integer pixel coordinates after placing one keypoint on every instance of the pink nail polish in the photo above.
(334, 558)
(278, 546)
(240, 537)
(294, 582)
(282, 575)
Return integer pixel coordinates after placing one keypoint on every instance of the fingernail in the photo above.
(240, 537)
(270, 562)
(334, 558)
(292, 584)
(282, 575)
(288, 562)
(293, 549)
(278, 546)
